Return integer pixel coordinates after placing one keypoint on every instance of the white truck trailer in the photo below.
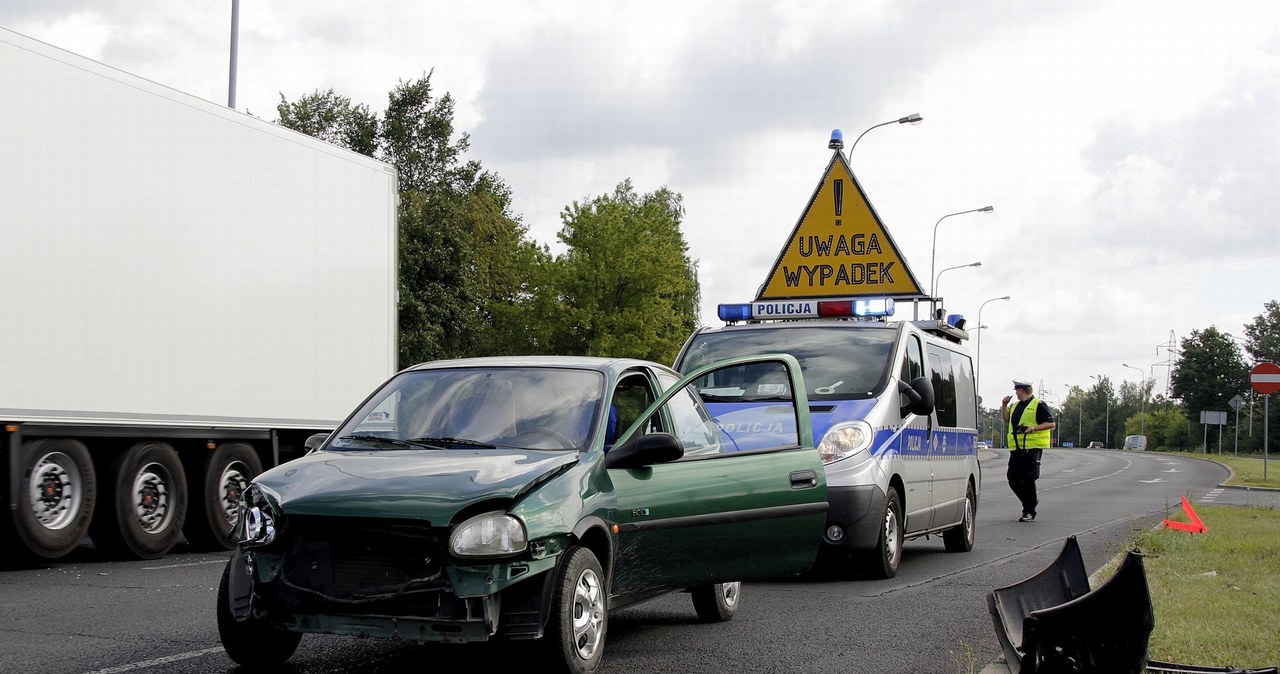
(187, 293)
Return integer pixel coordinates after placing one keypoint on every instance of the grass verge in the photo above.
(1216, 595)
(1246, 471)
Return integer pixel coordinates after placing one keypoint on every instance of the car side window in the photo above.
(944, 385)
(630, 398)
(690, 423)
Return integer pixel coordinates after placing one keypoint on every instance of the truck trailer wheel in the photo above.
(58, 492)
(145, 505)
(223, 476)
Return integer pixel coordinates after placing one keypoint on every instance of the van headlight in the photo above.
(845, 440)
(493, 534)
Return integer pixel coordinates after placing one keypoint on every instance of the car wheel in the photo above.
(145, 503)
(716, 603)
(251, 642)
(882, 561)
(57, 492)
(960, 537)
(216, 490)
(579, 619)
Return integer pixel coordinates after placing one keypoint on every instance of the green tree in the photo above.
(1263, 334)
(465, 264)
(626, 282)
(333, 119)
(1208, 372)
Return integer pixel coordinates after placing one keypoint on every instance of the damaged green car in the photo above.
(525, 498)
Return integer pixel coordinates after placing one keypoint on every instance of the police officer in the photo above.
(1029, 425)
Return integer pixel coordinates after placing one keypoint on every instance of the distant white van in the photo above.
(1135, 442)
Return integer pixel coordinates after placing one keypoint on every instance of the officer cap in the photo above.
(1019, 383)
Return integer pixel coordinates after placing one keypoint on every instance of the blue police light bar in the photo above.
(778, 310)
(956, 321)
(837, 140)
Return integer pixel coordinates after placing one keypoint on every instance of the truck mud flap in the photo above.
(1053, 623)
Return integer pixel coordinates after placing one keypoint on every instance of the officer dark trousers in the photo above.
(1024, 470)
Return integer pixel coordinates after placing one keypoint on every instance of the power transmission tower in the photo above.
(1171, 357)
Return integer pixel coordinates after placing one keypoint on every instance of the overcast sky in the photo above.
(1131, 149)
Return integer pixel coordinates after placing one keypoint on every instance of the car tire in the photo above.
(216, 489)
(56, 497)
(144, 503)
(252, 642)
(718, 602)
(579, 617)
(960, 538)
(883, 560)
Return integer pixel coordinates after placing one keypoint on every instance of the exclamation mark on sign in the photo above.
(839, 194)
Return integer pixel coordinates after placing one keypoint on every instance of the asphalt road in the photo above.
(85, 615)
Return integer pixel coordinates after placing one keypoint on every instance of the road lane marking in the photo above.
(158, 661)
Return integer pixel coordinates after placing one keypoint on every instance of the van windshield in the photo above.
(838, 363)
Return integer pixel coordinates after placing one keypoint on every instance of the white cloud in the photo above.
(1129, 149)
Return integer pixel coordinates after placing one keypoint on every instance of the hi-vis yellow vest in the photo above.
(1034, 439)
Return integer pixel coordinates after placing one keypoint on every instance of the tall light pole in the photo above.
(1107, 398)
(235, 41)
(913, 118)
(977, 367)
(959, 266)
(934, 254)
(1142, 388)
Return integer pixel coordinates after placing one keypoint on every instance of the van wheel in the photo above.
(579, 614)
(216, 494)
(718, 602)
(882, 561)
(960, 537)
(58, 489)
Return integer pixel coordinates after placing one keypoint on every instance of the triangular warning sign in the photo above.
(839, 248)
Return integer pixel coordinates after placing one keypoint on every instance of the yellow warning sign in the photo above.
(839, 248)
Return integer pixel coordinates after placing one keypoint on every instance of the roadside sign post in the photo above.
(1217, 418)
(1236, 403)
(1265, 379)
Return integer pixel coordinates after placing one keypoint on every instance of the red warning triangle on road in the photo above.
(839, 248)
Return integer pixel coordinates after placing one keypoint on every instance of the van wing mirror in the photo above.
(919, 395)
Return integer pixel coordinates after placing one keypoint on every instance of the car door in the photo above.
(716, 514)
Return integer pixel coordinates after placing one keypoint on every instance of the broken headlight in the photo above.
(257, 524)
(493, 534)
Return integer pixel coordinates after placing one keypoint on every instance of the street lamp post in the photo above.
(1107, 398)
(977, 366)
(913, 118)
(959, 266)
(933, 256)
(1142, 420)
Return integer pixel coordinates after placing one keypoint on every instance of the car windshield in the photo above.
(477, 408)
(838, 363)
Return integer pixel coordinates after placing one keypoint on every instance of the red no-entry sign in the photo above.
(1265, 378)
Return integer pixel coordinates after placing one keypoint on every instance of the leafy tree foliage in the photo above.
(464, 260)
(1208, 372)
(1263, 334)
(333, 119)
(626, 283)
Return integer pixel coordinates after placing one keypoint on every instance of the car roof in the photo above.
(613, 366)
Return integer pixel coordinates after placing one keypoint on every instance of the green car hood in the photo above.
(429, 485)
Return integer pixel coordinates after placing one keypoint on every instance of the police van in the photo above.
(894, 416)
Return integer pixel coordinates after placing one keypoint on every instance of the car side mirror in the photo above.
(315, 441)
(644, 450)
(919, 395)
